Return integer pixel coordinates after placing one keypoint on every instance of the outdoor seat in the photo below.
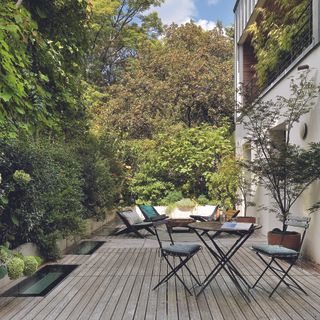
(133, 223)
(184, 252)
(211, 217)
(278, 253)
(150, 213)
(231, 214)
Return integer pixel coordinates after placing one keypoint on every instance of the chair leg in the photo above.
(150, 230)
(192, 275)
(281, 280)
(264, 271)
(173, 272)
(137, 232)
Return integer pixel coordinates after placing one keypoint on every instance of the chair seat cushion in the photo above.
(181, 249)
(132, 217)
(275, 250)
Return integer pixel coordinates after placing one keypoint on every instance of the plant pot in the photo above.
(246, 219)
(289, 239)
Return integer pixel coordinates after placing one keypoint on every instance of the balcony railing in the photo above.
(301, 40)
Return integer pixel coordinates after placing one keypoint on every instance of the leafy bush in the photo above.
(15, 268)
(30, 265)
(102, 174)
(42, 183)
(182, 160)
(172, 197)
(185, 204)
(203, 200)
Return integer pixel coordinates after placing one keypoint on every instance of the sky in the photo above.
(203, 12)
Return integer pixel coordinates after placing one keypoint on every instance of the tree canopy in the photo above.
(186, 77)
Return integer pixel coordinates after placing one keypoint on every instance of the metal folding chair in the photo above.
(182, 251)
(278, 253)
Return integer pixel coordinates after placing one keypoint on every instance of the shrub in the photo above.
(172, 197)
(185, 204)
(42, 183)
(15, 268)
(203, 200)
(30, 265)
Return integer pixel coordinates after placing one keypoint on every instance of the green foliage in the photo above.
(118, 29)
(30, 265)
(171, 197)
(15, 268)
(185, 78)
(185, 204)
(275, 32)
(182, 161)
(42, 49)
(102, 173)
(202, 200)
(223, 184)
(52, 199)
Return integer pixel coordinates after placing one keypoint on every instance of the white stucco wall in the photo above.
(312, 119)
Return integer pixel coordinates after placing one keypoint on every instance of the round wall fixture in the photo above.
(303, 131)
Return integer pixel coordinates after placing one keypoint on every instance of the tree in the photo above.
(187, 78)
(284, 169)
(118, 29)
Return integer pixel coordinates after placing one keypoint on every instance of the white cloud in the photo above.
(206, 24)
(177, 11)
(212, 2)
(181, 12)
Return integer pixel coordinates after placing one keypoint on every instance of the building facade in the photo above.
(305, 55)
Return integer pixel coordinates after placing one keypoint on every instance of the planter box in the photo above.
(246, 219)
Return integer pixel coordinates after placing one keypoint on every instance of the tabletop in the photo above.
(216, 226)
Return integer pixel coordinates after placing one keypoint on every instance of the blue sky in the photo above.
(203, 12)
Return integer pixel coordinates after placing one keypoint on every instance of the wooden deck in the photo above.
(116, 283)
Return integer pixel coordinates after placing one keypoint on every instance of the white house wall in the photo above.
(312, 120)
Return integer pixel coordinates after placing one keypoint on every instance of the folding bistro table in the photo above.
(242, 232)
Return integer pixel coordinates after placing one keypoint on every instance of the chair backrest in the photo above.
(129, 217)
(298, 222)
(149, 212)
(231, 214)
(156, 225)
(214, 216)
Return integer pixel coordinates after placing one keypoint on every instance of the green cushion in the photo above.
(275, 250)
(181, 249)
(149, 211)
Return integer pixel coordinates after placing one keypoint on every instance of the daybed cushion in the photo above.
(132, 217)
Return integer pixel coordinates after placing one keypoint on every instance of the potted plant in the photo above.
(284, 169)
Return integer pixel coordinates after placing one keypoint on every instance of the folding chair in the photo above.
(278, 253)
(133, 223)
(183, 251)
(231, 214)
(150, 213)
(211, 217)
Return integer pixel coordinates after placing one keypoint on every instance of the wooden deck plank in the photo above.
(116, 283)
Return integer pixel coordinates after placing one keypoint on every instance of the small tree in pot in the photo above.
(283, 168)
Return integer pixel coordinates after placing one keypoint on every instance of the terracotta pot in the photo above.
(246, 219)
(289, 240)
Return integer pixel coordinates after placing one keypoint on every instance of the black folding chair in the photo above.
(183, 251)
(278, 253)
(133, 223)
(150, 213)
(212, 217)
